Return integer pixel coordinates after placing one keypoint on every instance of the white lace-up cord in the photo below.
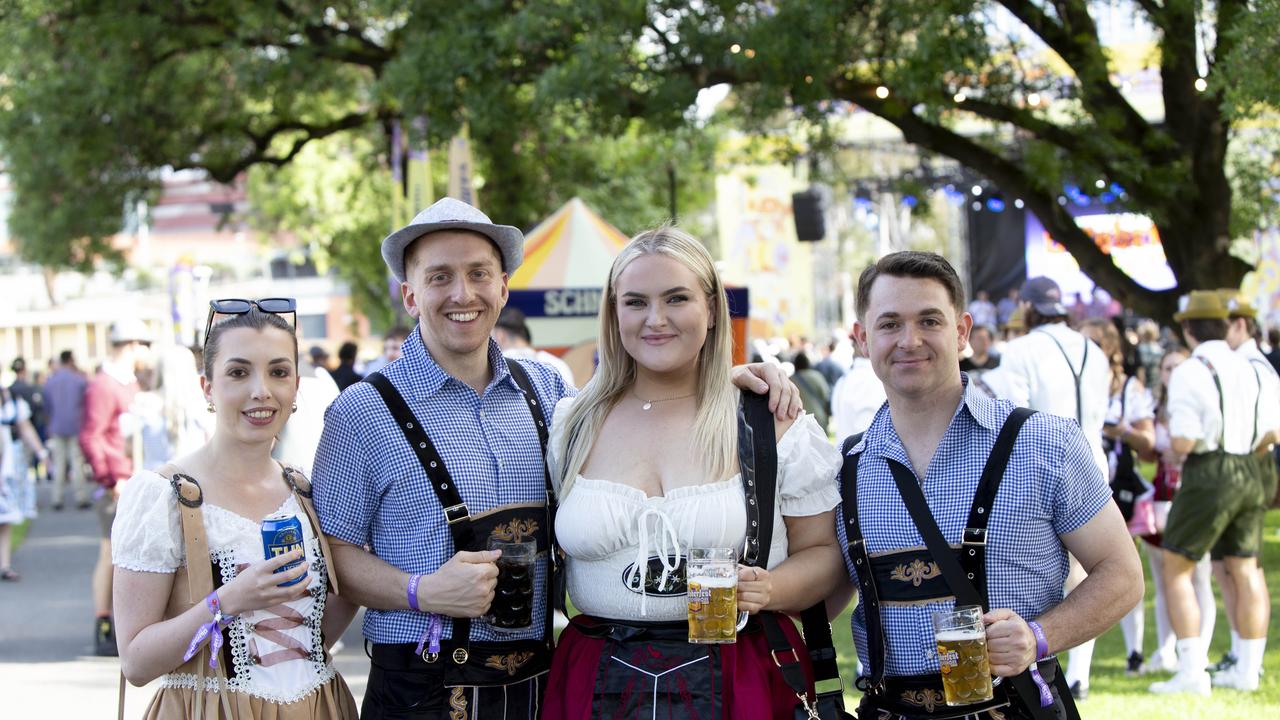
(668, 544)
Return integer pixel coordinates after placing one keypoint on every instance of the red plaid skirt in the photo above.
(608, 669)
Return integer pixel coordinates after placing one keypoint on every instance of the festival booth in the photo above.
(559, 286)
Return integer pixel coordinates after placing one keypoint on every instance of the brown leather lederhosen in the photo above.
(482, 679)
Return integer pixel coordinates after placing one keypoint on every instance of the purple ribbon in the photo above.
(431, 638)
(211, 631)
(1042, 651)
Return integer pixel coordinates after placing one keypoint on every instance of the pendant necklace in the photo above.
(647, 404)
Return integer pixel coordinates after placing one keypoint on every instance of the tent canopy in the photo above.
(572, 248)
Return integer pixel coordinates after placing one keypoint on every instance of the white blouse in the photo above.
(281, 661)
(609, 530)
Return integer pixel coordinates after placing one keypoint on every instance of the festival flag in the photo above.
(461, 169)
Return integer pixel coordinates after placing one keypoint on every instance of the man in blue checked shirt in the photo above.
(434, 457)
(951, 498)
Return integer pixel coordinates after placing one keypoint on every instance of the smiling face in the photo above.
(455, 286)
(253, 382)
(663, 314)
(912, 335)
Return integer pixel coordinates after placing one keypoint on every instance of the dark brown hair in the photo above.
(911, 264)
(254, 319)
(1205, 329)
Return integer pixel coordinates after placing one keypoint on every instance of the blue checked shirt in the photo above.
(371, 490)
(1051, 487)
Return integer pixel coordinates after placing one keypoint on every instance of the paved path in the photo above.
(47, 667)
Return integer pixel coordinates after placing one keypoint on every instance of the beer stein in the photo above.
(712, 578)
(962, 655)
(512, 607)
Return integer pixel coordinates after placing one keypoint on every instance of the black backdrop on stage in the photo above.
(997, 250)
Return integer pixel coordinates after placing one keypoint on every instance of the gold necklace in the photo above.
(649, 403)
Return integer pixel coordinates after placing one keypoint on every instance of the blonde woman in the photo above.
(645, 467)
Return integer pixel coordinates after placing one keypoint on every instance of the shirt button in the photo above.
(481, 414)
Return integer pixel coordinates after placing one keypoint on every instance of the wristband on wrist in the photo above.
(412, 592)
(1042, 642)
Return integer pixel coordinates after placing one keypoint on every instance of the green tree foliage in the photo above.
(230, 84)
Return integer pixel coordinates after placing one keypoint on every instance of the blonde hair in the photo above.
(715, 425)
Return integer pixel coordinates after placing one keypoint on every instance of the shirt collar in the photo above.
(1249, 347)
(119, 372)
(428, 377)
(973, 407)
(1211, 348)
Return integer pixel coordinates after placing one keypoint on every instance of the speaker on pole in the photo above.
(806, 206)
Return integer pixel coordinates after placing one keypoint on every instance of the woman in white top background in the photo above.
(645, 465)
(269, 640)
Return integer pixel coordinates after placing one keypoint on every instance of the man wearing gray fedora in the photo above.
(429, 462)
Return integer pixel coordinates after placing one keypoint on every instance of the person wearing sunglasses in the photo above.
(427, 459)
(234, 620)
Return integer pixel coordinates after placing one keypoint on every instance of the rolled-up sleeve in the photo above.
(342, 481)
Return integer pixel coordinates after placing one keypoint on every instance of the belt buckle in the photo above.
(456, 513)
(460, 656)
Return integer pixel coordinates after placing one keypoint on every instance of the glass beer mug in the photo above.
(962, 655)
(512, 608)
(712, 575)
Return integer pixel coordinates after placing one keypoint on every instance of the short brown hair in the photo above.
(912, 264)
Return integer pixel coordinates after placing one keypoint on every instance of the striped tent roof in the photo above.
(572, 248)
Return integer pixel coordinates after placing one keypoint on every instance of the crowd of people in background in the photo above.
(1156, 424)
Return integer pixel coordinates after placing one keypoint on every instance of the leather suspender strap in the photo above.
(758, 457)
(973, 545)
(456, 514)
(1074, 374)
(856, 548)
(555, 581)
(301, 488)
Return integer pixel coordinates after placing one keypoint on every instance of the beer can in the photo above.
(282, 534)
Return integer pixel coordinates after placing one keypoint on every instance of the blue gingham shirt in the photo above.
(1052, 486)
(371, 490)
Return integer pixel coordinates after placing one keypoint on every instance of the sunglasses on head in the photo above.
(238, 306)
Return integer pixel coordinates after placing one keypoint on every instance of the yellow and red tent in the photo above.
(571, 249)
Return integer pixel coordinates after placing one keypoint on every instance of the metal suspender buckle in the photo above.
(456, 513)
(795, 657)
(975, 536)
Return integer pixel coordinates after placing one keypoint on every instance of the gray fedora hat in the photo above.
(450, 214)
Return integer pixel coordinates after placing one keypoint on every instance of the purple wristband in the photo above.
(412, 592)
(1042, 643)
(1042, 651)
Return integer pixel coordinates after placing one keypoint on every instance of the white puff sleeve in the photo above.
(147, 533)
(807, 467)
(554, 462)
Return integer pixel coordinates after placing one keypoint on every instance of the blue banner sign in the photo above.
(585, 302)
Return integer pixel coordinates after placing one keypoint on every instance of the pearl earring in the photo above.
(211, 408)
(294, 408)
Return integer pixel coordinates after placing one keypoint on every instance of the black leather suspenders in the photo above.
(456, 513)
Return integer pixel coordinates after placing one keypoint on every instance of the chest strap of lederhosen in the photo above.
(758, 460)
(1222, 405)
(457, 515)
(1074, 375)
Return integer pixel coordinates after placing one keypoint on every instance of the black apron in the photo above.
(917, 576)
(469, 680)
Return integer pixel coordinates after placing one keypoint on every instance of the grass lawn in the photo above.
(1113, 695)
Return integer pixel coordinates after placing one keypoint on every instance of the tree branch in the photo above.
(1075, 40)
(261, 143)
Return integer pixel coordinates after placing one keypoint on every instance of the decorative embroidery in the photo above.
(917, 572)
(515, 531)
(458, 704)
(927, 698)
(510, 662)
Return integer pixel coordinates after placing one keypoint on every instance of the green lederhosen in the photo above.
(1220, 503)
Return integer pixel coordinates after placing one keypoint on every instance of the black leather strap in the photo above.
(856, 548)
(1075, 375)
(973, 544)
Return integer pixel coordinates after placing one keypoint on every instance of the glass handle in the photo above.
(742, 621)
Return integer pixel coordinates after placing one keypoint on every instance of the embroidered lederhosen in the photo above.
(913, 576)
(481, 678)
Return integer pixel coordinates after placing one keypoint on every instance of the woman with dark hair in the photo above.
(229, 633)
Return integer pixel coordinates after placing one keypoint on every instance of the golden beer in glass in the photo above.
(712, 578)
(962, 656)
